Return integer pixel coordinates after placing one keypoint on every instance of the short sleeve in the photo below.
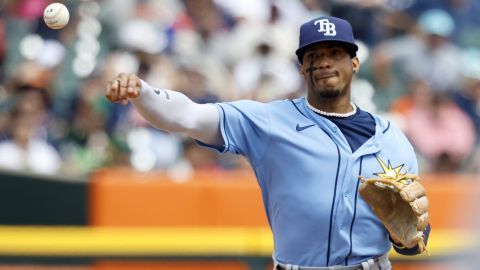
(245, 128)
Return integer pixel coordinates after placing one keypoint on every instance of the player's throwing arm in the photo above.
(166, 109)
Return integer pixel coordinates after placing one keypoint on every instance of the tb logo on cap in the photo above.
(326, 27)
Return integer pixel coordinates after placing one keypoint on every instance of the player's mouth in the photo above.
(325, 75)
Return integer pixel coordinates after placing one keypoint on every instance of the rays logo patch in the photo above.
(389, 172)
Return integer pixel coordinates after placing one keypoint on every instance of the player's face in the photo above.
(327, 69)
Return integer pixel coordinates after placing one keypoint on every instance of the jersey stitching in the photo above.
(388, 126)
(298, 109)
(333, 202)
(354, 212)
(335, 188)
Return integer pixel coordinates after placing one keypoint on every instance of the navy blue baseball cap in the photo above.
(326, 28)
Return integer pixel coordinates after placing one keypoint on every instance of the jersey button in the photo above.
(341, 227)
(334, 129)
(345, 194)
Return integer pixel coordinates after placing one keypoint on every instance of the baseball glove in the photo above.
(401, 205)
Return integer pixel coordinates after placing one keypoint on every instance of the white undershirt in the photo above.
(174, 112)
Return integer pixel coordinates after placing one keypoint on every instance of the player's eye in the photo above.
(336, 52)
(311, 56)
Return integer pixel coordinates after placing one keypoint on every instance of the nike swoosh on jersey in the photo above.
(158, 91)
(299, 128)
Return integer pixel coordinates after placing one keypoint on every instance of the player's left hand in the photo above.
(401, 205)
(123, 87)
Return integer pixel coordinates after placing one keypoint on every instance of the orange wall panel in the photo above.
(453, 199)
(121, 197)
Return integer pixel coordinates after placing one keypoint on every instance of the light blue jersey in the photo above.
(309, 179)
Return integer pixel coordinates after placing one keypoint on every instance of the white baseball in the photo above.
(56, 15)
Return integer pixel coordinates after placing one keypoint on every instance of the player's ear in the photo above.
(355, 64)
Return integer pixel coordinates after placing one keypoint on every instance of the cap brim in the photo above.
(352, 48)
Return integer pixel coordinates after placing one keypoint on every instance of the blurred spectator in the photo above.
(27, 147)
(202, 28)
(32, 74)
(152, 149)
(193, 81)
(468, 98)
(440, 131)
(464, 13)
(266, 69)
(418, 93)
(220, 50)
(85, 146)
(358, 13)
(425, 53)
(247, 10)
(265, 76)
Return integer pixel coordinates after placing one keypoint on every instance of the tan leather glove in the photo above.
(401, 205)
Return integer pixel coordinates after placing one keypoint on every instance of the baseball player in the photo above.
(307, 153)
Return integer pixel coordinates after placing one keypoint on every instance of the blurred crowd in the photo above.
(420, 69)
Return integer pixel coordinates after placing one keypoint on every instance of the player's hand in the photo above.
(123, 87)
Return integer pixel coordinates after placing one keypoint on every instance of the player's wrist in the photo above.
(398, 245)
(144, 88)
